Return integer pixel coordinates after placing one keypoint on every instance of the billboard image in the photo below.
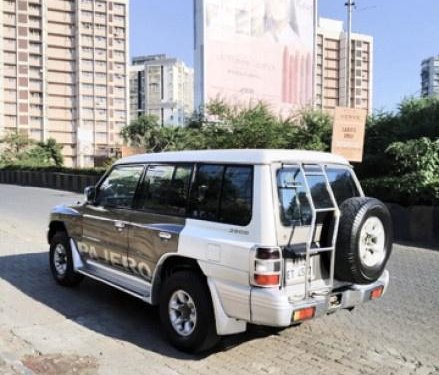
(252, 50)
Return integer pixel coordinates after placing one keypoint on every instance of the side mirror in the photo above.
(90, 194)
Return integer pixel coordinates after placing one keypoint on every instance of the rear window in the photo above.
(223, 194)
(294, 205)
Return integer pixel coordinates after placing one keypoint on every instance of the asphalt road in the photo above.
(46, 329)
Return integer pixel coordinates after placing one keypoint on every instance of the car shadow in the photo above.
(103, 309)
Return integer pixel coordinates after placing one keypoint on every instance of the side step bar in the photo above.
(126, 283)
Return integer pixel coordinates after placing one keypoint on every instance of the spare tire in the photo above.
(364, 241)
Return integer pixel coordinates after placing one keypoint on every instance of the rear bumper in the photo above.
(273, 307)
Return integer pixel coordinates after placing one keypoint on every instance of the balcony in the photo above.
(10, 121)
(10, 83)
(65, 41)
(35, 60)
(61, 53)
(61, 65)
(34, 10)
(10, 109)
(35, 36)
(9, 6)
(35, 85)
(119, 21)
(35, 48)
(9, 32)
(61, 17)
(36, 99)
(58, 77)
(61, 102)
(36, 111)
(61, 29)
(100, 30)
(9, 19)
(10, 71)
(10, 95)
(60, 89)
(61, 114)
(67, 6)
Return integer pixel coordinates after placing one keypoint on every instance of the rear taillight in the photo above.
(377, 292)
(266, 267)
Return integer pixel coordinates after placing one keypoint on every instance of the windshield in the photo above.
(294, 206)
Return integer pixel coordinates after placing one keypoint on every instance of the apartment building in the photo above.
(332, 68)
(64, 73)
(163, 87)
(430, 77)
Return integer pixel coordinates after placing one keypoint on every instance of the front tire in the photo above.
(61, 261)
(186, 313)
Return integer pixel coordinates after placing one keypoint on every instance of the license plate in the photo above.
(295, 271)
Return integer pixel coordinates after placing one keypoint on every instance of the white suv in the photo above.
(219, 239)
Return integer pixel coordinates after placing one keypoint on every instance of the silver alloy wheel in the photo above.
(182, 313)
(60, 259)
(372, 242)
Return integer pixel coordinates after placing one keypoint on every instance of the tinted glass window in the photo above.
(343, 184)
(206, 191)
(165, 189)
(236, 197)
(119, 187)
(223, 194)
(294, 205)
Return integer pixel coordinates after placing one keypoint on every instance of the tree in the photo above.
(143, 132)
(18, 149)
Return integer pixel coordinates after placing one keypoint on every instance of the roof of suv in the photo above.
(237, 157)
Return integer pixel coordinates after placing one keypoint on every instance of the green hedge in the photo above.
(72, 171)
(408, 190)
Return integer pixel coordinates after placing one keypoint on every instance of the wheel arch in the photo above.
(167, 265)
(54, 227)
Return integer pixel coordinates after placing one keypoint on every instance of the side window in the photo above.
(223, 194)
(205, 195)
(236, 197)
(119, 187)
(165, 189)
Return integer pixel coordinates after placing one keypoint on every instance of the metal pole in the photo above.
(349, 4)
(314, 64)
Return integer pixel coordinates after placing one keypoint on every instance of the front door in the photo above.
(106, 222)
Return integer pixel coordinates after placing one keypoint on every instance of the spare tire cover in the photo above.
(364, 240)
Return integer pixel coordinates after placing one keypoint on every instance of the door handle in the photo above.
(165, 236)
(120, 225)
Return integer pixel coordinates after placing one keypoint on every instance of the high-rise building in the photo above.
(163, 87)
(430, 76)
(331, 67)
(64, 73)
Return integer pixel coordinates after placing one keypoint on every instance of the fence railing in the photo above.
(48, 179)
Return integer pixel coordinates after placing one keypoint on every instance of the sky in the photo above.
(405, 32)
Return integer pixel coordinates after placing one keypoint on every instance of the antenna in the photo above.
(350, 4)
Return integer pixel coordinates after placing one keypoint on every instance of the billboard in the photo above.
(252, 50)
(348, 133)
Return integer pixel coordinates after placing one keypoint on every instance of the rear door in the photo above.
(105, 223)
(159, 216)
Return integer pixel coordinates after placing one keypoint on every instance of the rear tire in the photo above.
(186, 313)
(61, 261)
(364, 241)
